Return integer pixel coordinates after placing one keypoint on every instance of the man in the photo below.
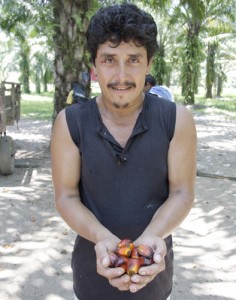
(123, 164)
(159, 90)
(78, 89)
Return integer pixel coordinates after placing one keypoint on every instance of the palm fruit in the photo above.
(125, 243)
(144, 261)
(124, 251)
(120, 261)
(131, 258)
(113, 259)
(134, 253)
(145, 251)
(133, 265)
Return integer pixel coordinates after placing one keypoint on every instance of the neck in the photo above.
(119, 113)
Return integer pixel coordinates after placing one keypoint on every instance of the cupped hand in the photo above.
(147, 273)
(116, 276)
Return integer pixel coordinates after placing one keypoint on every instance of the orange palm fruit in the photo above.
(145, 251)
(125, 243)
(134, 253)
(133, 265)
(124, 251)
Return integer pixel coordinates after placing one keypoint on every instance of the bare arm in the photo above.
(66, 164)
(182, 173)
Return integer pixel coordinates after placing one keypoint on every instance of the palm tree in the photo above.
(71, 58)
(159, 9)
(13, 24)
(189, 16)
(220, 27)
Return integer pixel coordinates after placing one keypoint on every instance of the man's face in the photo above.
(121, 73)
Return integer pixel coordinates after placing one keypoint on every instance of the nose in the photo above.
(122, 72)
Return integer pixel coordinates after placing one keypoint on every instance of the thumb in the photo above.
(157, 258)
(105, 261)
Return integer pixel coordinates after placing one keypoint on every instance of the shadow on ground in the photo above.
(36, 245)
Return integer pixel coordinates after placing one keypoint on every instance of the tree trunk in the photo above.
(37, 81)
(45, 81)
(159, 65)
(221, 77)
(71, 58)
(191, 64)
(210, 69)
(24, 67)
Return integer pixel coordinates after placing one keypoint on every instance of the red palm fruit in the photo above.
(144, 261)
(133, 265)
(123, 251)
(145, 251)
(125, 243)
(113, 259)
(134, 253)
(121, 260)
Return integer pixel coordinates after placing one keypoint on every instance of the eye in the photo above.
(134, 60)
(108, 60)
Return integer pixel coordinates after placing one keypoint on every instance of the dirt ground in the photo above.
(36, 245)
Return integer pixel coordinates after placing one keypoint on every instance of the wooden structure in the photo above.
(10, 97)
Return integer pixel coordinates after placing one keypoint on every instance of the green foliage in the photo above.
(185, 28)
(37, 106)
(224, 106)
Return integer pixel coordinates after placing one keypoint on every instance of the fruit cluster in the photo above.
(131, 258)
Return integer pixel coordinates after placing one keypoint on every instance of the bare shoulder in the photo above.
(61, 118)
(183, 114)
(60, 132)
(184, 119)
(60, 124)
(185, 126)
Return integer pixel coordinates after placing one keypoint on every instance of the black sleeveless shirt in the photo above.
(123, 187)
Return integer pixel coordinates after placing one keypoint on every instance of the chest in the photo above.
(120, 132)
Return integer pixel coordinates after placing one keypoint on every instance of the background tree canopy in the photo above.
(46, 42)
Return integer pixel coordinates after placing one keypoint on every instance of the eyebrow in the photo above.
(113, 55)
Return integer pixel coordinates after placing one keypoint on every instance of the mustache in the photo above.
(118, 84)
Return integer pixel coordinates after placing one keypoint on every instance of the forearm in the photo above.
(170, 215)
(80, 219)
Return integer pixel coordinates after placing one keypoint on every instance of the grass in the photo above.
(40, 107)
(35, 106)
(226, 105)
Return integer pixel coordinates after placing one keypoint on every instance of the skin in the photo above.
(121, 74)
(147, 87)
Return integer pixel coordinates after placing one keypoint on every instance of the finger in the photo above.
(102, 256)
(153, 269)
(160, 249)
(148, 274)
(109, 272)
(133, 287)
(122, 282)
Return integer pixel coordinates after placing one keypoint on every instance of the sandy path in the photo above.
(36, 245)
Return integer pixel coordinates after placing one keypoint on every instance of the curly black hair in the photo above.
(150, 79)
(122, 23)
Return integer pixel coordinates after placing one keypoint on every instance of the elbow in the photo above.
(185, 198)
(59, 204)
